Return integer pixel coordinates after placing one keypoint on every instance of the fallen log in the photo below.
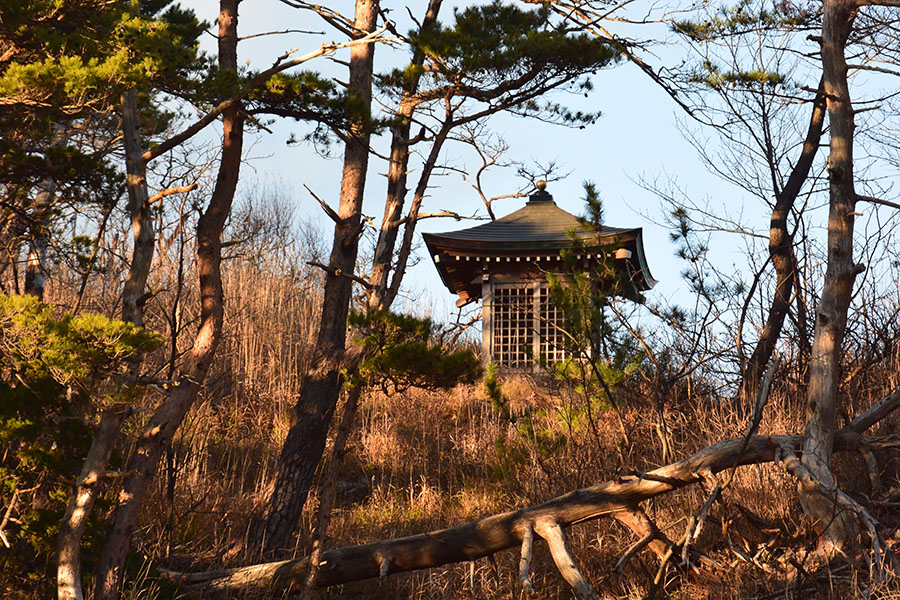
(486, 536)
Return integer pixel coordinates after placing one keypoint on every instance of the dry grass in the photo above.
(422, 460)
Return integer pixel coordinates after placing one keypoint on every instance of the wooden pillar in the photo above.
(487, 323)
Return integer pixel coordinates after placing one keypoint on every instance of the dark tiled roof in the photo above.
(539, 224)
(538, 230)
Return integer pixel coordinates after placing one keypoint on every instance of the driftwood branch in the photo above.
(550, 530)
(492, 534)
(525, 560)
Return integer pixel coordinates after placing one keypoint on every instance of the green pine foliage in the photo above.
(56, 373)
(603, 356)
(499, 401)
(401, 352)
(77, 57)
(309, 97)
(64, 66)
(506, 58)
(727, 22)
(749, 16)
(495, 42)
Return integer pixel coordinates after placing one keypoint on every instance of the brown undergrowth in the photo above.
(420, 461)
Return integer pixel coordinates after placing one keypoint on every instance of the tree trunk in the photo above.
(837, 528)
(397, 172)
(305, 442)
(492, 534)
(327, 489)
(412, 218)
(36, 261)
(161, 428)
(71, 528)
(139, 210)
(781, 249)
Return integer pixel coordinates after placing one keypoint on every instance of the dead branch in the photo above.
(486, 536)
(339, 273)
(641, 525)
(184, 189)
(7, 516)
(549, 529)
(525, 560)
(873, 200)
(281, 32)
(328, 210)
(443, 213)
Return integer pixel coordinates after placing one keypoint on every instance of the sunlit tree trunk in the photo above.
(319, 395)
(837, 527)
(133, 297)
(74, 521)
(161, 428)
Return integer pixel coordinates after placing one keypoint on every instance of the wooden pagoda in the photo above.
(505, 263)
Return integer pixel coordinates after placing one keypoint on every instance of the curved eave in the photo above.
(642, 260)
(462, 258)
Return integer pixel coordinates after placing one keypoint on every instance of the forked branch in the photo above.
(550, 530)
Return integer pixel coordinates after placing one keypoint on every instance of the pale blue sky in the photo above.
(635, 138)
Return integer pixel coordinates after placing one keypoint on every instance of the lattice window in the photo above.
(525, 325)
(513, 328)
(551, 338)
